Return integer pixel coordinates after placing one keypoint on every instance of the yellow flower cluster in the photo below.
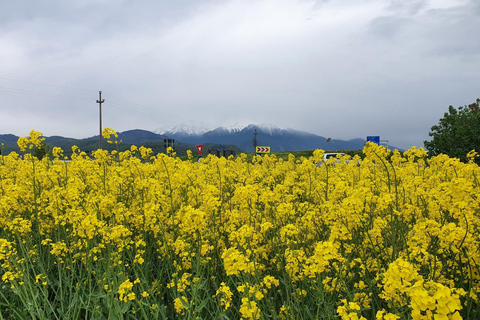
(225, 295)
(125, 291)
(236, 262)
(392, 236)
(403, 285)
(34, 139)
(107, 133)
(433, 299)
(349, 311)
(180, 305)
(249, 309)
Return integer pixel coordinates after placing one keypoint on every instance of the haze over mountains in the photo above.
(186, 137)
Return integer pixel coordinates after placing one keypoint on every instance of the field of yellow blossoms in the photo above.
(133, 235)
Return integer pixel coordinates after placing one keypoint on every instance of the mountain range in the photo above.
(267, 135)
(237, 138)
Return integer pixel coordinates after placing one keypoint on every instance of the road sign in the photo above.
(374, 139)
(199, 148)
(262, 149)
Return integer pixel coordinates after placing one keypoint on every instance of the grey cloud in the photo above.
(407, 7)
(446, 31)
(349, 71)
(456, 33)
(388, 27)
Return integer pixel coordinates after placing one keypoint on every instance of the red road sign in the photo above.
(199, 148)
(262, 149)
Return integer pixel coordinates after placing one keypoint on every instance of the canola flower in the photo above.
(225, 295)
(135, 235)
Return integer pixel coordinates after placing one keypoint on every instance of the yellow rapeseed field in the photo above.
(133, 235)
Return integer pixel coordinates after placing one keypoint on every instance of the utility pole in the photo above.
(255, 140)
(100, 101)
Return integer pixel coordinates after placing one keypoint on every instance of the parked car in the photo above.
(338, 156)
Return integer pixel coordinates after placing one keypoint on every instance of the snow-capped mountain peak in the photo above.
(200, 129)
(185, 130)
(265, 127)
(236, 127)
(268, 128)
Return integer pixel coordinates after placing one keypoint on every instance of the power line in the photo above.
(166, 117)
(41, 93)
(114, 104)
(140, 113)
(153, 109)
(46, 84)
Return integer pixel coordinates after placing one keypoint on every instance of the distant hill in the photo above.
(8, 139)
(131, 137)
(237, 139)
(137, 136)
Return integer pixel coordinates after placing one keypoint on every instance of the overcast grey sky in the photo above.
(338, 68)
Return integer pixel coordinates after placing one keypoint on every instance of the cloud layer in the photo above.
(342, 69)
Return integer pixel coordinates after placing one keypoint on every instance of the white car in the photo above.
(338, 156)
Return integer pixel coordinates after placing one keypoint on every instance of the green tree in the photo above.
(457, 133)
(41, 151)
